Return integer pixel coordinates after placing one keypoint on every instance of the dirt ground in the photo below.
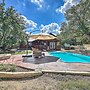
(47, 82)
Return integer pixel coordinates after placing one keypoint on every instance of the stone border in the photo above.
(67, 72)
(19, 74)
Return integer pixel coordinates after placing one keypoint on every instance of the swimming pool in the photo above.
(71, 57)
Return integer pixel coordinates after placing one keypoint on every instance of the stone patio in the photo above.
(55, 65)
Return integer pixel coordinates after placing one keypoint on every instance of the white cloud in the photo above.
(38, 2)
(67, 5)
(24, 3)
(51, 28)
(41, 4)
(29, 23)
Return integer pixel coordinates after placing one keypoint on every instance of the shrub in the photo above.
(7, 67)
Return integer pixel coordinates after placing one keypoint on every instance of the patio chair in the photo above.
(37, 53)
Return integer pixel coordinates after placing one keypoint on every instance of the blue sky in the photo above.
(46, 15)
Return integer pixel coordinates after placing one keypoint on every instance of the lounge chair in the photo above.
(37, 53)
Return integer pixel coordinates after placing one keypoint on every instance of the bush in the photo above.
(7, 67)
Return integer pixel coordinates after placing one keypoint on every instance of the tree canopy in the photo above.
(11, 28)
(77, 27)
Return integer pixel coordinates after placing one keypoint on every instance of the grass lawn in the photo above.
(17, 52)
(23, 52)
(74, 85)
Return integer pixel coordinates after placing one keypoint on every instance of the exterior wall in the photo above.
(22, 46)
(42, 45)
(45, 45)
(58, 46)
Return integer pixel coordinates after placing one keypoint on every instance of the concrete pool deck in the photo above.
(53, 66)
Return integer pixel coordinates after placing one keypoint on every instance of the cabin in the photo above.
(44, 42)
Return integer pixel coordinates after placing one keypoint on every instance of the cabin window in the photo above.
(52, 45)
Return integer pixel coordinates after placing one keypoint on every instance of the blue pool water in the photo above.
(71, 57)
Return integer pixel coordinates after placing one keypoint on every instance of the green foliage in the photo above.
(8, 67)
(77, 26)
(78, 17)
(12, 68)
(11, 28)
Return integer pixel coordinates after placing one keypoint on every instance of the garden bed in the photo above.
(12, 68)
(10, 71)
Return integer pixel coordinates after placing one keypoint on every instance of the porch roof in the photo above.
(31, 39)
(43, 37)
